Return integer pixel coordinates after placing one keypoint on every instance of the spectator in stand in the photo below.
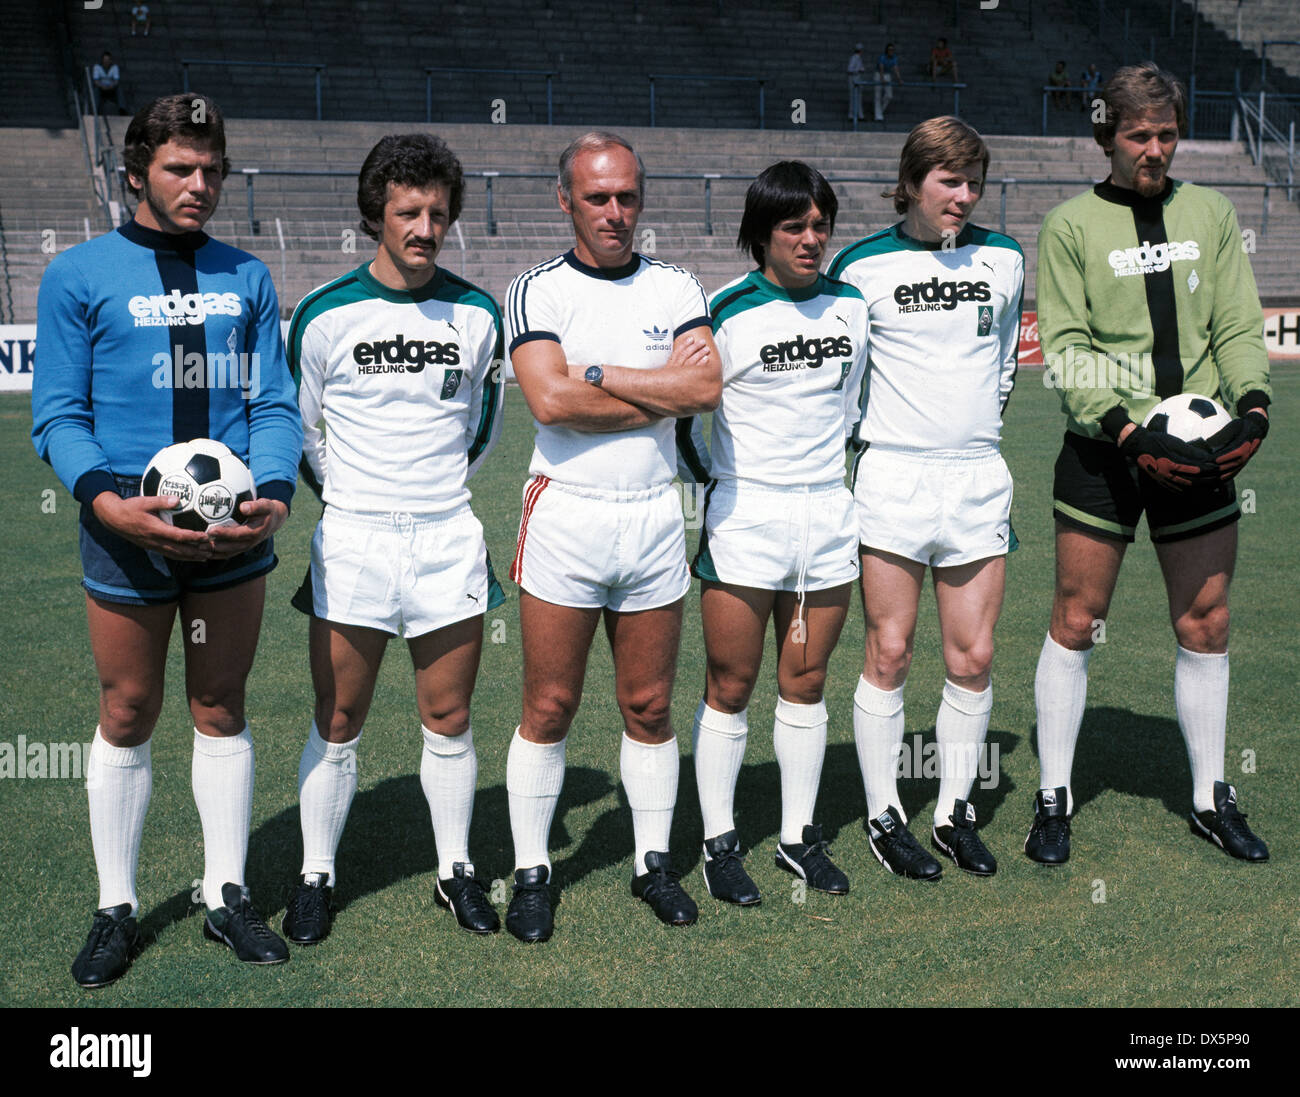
(887, 74)
(1060, 79)
(140, 22)
(857, 69)
(1090, 79)
(106, 77)
(942, 62)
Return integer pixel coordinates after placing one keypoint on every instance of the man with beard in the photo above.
(1145, 291)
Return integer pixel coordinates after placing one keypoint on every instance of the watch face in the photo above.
(594, 375)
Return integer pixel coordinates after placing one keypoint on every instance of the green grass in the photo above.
(1181, 923)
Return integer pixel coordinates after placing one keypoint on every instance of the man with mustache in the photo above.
(399, 361)
(1145, 291)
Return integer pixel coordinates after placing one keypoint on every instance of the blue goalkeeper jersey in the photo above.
(145, 338)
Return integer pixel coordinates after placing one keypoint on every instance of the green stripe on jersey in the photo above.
(756, 289)
(347, 289)
(894, 239)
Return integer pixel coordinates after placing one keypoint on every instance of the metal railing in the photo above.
(863, 83)
(1262, 134)
(186, 62)
(548, 73)
(708, 179)
(1070, 93)
(107, 176)
(761, 81)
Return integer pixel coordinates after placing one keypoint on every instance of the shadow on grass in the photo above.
(1136, 754)
(840, 799)
(389, 838)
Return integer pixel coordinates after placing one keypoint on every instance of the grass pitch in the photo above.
(1143, 914)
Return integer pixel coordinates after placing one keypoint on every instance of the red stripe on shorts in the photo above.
(531, 496)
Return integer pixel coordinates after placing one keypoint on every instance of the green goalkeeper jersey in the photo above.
(1143, 298)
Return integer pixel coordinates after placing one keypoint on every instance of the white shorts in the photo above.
(405, 574)
(778, 538)
(939, 509)
(590, 549)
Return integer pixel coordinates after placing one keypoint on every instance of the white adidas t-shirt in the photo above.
(626, 316)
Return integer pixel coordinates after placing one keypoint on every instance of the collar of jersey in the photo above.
(609, 274)
(1123, 196)
(768, 288)
(162, 241)
(401, 296)
(911, 243)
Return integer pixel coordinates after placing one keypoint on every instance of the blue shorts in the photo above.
(115, 570)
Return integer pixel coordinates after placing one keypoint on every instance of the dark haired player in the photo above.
(400, 360)
(120, 320)
(932, 489)
(609, 347)
(780, 538)
(1145, 291)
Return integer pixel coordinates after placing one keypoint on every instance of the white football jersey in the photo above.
(409, 387)
(626, 316)
(792, 365)
(945, 331)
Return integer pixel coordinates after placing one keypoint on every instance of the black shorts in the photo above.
(117, 570)
(1097, 489)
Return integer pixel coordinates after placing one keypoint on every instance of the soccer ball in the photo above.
(206, 477)
(1188, 417)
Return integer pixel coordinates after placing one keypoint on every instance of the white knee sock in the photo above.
(959, 732)
(1060, 694)
(649, 773)
(719, 744)
(1201, 701)
(799, 739)
(327, 782)
(119, 781)
(222, 776)
(878, 733)
(534, 777)
(448, 775)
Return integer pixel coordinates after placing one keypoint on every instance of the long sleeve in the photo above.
(274, 429)
(63, 421)
(487, 396)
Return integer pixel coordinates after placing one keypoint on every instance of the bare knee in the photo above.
(335, 723)
(888, 660)
(1075, 624)
(728, 691)
(647, 714)
(446, 718)
(805, 687)
(548, 712)
(969, 666)
(218, 709)
(127, 715)
(1203, 629)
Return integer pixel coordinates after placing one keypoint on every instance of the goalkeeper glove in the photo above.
(1236, 443)
(1169, 461)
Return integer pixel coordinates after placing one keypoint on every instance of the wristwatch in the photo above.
(594, 375)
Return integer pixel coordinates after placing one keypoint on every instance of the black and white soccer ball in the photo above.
(1188, 417)
(207, 478)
